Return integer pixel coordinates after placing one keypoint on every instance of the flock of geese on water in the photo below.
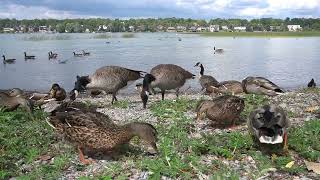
(87, 128)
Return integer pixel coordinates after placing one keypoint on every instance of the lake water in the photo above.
(289, 62)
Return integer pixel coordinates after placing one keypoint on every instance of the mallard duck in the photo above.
(312, 84)
(260, 85)
(268, 125)
(226, 87)
(85, 53)
(5, 60)
(223, 110)
(205, 80)
(10, 103)
(145, 91)
(96, 131)
(28, 57)
(57, 92)
(169, 76)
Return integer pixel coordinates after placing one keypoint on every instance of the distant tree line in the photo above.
(118, 25)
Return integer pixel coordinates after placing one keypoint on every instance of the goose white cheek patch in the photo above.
(270, 140)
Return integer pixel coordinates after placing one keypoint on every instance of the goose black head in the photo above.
(197, 64)
(144, 94)
(79, 86)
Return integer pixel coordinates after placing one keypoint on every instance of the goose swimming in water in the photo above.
(77, 54)
(8, 60)
(28, 57)
(217, 50)
(85, 53)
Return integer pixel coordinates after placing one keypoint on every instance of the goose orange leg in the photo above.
(83, 159)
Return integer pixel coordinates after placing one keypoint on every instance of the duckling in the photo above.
(94, 131)
(144, 93)
(57, 92)
(312, 84)
(260, 85)
(85, 53)
(268, 125)
(8, 60)
(223, 110)
(217, 50)
(12, 103)
(77, 54)
(28, 57)
(226, 87)
(205, 80)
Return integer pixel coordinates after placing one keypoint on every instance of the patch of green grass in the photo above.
(305, 140)
(315, 90)
(252, 101)
(261, 34)
(128, 35)
(123, 104)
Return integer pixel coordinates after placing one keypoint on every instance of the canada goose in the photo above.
(77, 55)
(205, 80)
(169, 76)
(260, 85)
(28, 57)
(144, 92)
(108, 78)
(52, 55)
(8, 60)
(57, 92)
(12, 103)
(217, 50)
(268, 125)
(95, 131)
(224, 110)
(85, 53)
(226, 87)
(312, 84)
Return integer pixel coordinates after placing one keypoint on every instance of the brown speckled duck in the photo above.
(268, 125)
(226, 87)
(260, 85)
(57, 92)
(10, 103)
(95, 131)
(223, 110)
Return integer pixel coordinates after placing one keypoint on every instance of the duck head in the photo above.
(269, 124)
(79, 86)
(145, 91)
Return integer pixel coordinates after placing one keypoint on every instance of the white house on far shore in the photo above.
(294, 27)
(240, 28)
(214, 28)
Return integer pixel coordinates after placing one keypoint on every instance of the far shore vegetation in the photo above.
(261, 34)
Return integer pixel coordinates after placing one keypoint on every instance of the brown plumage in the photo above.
(169, 76)
(94, 130)
(57, 92)
(223, 110)
(260, 85)
(10, 103)
(226, 87)
(108, 78)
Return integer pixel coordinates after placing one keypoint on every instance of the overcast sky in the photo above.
(198, 9)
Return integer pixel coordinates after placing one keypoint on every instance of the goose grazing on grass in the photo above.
(260, 85)
(8, 60)
(223, 110)
(10, 103)
(144, 91)
(77, 54)
(95, 131)
(108, 78)
(268, 125)
(312, 84)
(28, 57)
(217, 50)
(205, 80)
(169, 76)
(85, 53)
(52, 55)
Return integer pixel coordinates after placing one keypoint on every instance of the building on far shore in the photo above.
(171, 29)
(294, 28)
(275, 28)
(214, 28)
(43, 29)
(224, 28)
(240, 28)
(181, 28)
(8, 30)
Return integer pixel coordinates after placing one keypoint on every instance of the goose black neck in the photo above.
(4, 58)
(201, 69)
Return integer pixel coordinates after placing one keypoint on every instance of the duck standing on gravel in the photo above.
(260, 85)
(95, 131)
(57, 92)
(108, 78)
(268, 125)
(223, 110)
(205, 80)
